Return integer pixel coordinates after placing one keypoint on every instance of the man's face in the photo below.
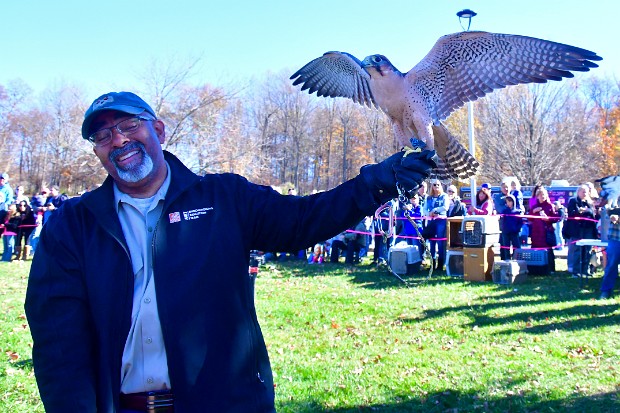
(422, 189)
(133, 160)
(504, 188)
(582, 191)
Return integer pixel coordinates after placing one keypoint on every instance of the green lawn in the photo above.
(356, 339)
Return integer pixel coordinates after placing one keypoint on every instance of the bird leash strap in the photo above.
(416, 146)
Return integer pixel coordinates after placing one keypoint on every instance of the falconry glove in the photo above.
(407, 168)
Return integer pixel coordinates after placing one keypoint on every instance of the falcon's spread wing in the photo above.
(465, 66)
(336, 74)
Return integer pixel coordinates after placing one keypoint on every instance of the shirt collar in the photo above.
(160, 195)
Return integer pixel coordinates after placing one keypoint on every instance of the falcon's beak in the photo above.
(369, 63)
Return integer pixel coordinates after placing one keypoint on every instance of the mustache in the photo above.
(129, 147)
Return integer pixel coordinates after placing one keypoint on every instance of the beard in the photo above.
(133, 172)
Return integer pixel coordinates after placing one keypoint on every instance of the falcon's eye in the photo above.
(376, 59)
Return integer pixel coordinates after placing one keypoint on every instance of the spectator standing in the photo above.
(20, 195)
(534, 199)
(457, 207)
(511, 227)
(336, 246)
(515, 190)
(27, 224)
(122, 300)
(381, 224)
(55, 197)
(484, 202)
(559, 226)
(542, 226)
(499, 201)
(6, 190)
(581, 224)
(405, 229)
(436, 211)
(11, 226)
(38, 201)
(613, 254)
(423, 194)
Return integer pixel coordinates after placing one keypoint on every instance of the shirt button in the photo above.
(149, 340)
(150, 229)
(147, 300)
(150, 380)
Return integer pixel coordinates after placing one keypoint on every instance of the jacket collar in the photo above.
(101, 200)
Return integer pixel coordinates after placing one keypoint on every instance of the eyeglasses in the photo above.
(436, 184)
(126, 127)
(450, 192)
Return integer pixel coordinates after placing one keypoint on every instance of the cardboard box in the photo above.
(478, 264)
(454, 238)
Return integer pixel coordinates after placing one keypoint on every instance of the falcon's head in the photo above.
(379, 63)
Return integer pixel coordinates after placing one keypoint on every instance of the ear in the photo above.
(160, 130)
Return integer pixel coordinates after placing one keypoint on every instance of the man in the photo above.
(613, 255)
(6, 189)
(56, 198)
(122, 300)
(499, 203)
(581, 224)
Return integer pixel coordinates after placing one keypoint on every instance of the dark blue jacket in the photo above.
(512, 221)
(80, 289)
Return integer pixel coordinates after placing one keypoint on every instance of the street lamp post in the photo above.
(469, 14)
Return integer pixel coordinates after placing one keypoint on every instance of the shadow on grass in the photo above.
(450, 401)
(537, 290)
(25, 364)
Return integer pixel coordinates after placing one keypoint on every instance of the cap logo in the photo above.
(103, 101)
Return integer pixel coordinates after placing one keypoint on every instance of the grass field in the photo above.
(355, 339)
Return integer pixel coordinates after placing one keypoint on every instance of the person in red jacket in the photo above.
(139, 295)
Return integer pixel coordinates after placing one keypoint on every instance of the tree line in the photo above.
(276, 135)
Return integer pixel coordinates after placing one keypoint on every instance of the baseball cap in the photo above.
(4, 176)
(126, 102)
(485, 186)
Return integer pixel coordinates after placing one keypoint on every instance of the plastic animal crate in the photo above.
(537, 260)
(454, 263)
(480, 231)
(509, 272)
(404, 259)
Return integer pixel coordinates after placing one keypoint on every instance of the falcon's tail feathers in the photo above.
(456, 163)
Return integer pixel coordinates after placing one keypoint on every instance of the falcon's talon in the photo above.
(417, 144)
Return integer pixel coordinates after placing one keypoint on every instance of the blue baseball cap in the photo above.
(485, 186)
(126, 102)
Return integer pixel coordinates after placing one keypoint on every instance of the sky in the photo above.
(106, 45)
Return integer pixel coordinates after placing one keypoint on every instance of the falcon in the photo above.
(461, 67)
(611, 189)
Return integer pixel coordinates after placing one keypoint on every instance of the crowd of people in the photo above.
(541, 224)
(21, 217)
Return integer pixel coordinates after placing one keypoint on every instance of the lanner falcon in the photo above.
(461, 67)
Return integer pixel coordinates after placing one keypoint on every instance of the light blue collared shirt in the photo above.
(144, 363)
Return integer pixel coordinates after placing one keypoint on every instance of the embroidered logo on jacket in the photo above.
(195, 213)
(174, 217)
